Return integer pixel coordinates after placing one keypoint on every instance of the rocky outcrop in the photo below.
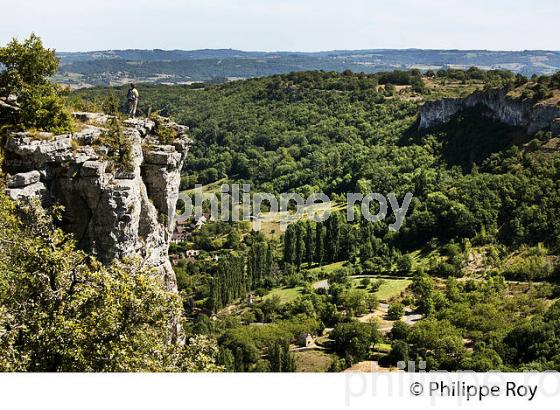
(113, 212)
(498, 106)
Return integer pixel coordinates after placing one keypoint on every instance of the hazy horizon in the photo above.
(307, 52)
(291, 26)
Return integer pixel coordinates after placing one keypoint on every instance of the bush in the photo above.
(390, 90)
(542, 92)
(165, 131)
(119, 145)
(399, 331)
(404, 264)
(446, 270)
(533, 267)
(396, 311)
(376, 284)
(42, 108)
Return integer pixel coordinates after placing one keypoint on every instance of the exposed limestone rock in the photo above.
(24, 179)
(26, 193)
(113, 213)
(501, 107)
(553, 145)
(92, 117)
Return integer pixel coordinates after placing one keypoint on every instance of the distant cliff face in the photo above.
(532, 117)
(112, 214)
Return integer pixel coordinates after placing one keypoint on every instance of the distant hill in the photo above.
(113, 67)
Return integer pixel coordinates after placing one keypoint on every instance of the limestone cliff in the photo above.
(499, 106)
(112, 213)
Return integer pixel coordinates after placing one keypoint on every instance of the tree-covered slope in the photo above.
(339, 133)
(479, 242)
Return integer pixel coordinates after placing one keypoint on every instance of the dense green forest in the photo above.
(470, 281)
(479, 243)
(338, 133)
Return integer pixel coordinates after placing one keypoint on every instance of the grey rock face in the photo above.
(555, 126)
(92, 117)
(111, 212)
(24, 179)
(532, 117)
(26, 193)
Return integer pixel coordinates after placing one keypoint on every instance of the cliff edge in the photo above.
(113, 211)
(499, 106)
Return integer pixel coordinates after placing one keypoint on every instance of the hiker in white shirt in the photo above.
(132, 100)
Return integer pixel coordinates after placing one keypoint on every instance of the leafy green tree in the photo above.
(352, 340)
(372, 302)
(300, 245)
(395, 311)
(290, 239)
(423, 288)
(201, 354)
(400, 352)
(280, 359)
(233, 239)
(332, 238)
(399, 331)
(329, 314)
(483, 359)
(438, 343)
(61, 310)
(244, 351)
(309, 244)
(27, 69)
(404, 264)
(354, 301)
(319, 243)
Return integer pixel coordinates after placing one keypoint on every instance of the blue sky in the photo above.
(304, 25)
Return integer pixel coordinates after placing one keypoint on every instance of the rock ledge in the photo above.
(113, 213)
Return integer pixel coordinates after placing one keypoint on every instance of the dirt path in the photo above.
(312, 346)
(385, 325)
(411, 317)
(322, 284)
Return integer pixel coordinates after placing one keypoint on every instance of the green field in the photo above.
(286, 295)
(271, 225)
(212, 188)
(383, 347)
(327, 268)
(389, 289)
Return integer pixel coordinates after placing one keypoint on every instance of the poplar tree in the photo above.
(309, 244)
(319, 243)
(300, 245)
(289, 245)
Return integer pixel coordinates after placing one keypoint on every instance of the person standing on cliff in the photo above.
(132, 100)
